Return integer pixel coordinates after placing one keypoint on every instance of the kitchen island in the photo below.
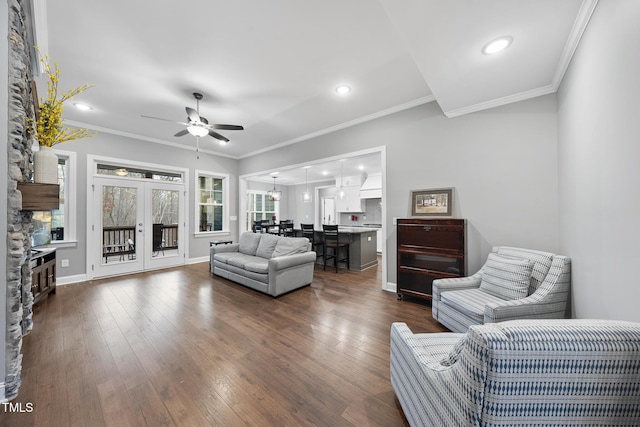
(362, 246)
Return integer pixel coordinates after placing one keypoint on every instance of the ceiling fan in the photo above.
(199, 126)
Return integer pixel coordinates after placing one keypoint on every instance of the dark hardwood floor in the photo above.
(183, 347)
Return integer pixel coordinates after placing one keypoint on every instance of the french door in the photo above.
(137, 225)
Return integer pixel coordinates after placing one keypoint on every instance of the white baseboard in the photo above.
(198, 260)
(67, 280)
(391, 287)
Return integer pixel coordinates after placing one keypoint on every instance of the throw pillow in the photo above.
(506, 278)
(267, 245)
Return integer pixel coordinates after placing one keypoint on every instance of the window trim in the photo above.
(70, 201)
(225, 202)
(276, 205)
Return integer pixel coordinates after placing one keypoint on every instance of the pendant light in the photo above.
(274, 194)
(306, 196)
(341, 193)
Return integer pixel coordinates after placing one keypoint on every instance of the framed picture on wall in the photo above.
(438, 202)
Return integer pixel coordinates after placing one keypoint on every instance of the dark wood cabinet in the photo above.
(43, 273)
(429, 249)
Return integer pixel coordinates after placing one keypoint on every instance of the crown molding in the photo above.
(516, 97)
(579, 26)
(350, 123)
(145, 138)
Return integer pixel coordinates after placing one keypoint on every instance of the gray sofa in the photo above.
(267, 263)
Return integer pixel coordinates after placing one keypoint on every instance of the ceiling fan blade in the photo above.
(193, 114)
(216, 135)
(228, 127)
(182, 132)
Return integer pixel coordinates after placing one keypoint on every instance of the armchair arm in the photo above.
(549, 301)
(455, 284)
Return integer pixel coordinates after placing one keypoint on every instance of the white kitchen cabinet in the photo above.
(351, 201)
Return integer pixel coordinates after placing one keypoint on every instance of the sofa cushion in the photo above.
(290, 246)
(267, 244)
(506, 278)
(471, 302)
(224, 256)
(258, 265)
(249, 243)
(240, 260)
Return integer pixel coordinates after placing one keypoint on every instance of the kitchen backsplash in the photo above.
(372, 214)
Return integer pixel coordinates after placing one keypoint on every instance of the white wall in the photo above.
(599, 152)
(502, 163)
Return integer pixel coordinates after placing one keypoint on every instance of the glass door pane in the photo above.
(165, 216)
(118, 227)
(165, 233)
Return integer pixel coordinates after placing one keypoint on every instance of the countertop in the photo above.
(355, 230)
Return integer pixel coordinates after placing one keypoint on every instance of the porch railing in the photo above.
(121, 240)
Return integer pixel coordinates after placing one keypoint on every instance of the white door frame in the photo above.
(386, 284)
(93, 247)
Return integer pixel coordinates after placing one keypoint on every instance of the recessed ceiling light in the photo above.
(343, 89)
(497, 45)
(83, 107)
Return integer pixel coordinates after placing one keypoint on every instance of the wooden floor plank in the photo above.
(183, 347)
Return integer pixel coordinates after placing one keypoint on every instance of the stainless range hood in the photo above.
(372, 187)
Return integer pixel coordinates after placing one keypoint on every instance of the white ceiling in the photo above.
(272, 66)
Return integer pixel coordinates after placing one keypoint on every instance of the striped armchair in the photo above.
(514, 283)
(561, 372)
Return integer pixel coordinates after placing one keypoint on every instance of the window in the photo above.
(211, 202)
(259, 206)
(59, 225)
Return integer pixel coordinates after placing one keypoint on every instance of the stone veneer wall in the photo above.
(20, 168)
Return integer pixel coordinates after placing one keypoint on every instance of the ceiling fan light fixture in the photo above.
(497, 45)
(197, 130)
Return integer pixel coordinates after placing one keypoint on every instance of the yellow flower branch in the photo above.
(48, 126)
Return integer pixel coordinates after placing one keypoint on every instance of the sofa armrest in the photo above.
(287, 261)
(455, 284)
(233, 247)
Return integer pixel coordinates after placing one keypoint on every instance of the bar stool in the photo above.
(331, 241)
(309, 232)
